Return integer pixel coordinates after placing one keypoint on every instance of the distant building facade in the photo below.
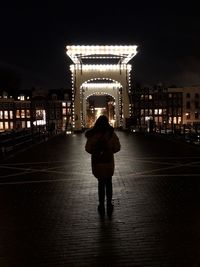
(47, 109)
(166, 108)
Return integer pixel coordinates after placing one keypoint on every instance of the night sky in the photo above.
(34, 36)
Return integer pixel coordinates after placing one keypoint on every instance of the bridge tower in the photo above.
(100, 70)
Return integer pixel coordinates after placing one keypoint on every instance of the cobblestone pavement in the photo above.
(48, 206)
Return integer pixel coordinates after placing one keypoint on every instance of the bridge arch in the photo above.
(103, 87)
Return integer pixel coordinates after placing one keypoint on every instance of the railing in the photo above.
(18, 139)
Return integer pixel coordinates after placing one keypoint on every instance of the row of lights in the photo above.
(100, 67)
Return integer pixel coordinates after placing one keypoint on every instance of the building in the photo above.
(190, 105)
(48, 110)
(166, 109)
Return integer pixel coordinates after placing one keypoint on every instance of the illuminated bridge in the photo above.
(101, 71)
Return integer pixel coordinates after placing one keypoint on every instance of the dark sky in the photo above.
(34, 36)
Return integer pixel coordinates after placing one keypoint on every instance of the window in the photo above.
(187, 104)
(188, 95)
(187, 115)
(23, 124)
(6, 114)
(156, 111)
(11, 114)
(6, 125)
(23, 113)
(179, 120)
(17, 113)
(28, 124)
(1, 114)
(28, 115)
(64, 111)
(164, 111)
(196, 104)
(196, 115)
(21, 97)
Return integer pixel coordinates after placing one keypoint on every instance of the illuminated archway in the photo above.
(95, 108)
(104, 86)
(90, 65)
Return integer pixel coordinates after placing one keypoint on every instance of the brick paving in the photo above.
(48, 206)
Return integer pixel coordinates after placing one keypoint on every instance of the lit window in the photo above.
(64, 111)
(6, 125)
(23, 124)
(23, 113)
(6, 114)
(64, 104)
(1, 114)
(21, 97)
(28, 124)
(11, 125)
(11, 114)
(40, 117)
(17, 113)
(1, 125)
(28, 113)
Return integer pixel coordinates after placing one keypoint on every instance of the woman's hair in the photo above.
(102, 123)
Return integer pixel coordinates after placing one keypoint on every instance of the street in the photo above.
(48, 205)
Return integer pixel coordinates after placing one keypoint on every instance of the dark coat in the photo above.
(102, 170)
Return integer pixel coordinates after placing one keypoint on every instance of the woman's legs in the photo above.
(101, 191)
(105, 188)
(109, 190)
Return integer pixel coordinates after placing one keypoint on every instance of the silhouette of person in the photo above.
(103, 171)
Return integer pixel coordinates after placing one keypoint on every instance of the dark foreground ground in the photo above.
(48, 206)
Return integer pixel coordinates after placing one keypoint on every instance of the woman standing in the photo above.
(102, 143)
